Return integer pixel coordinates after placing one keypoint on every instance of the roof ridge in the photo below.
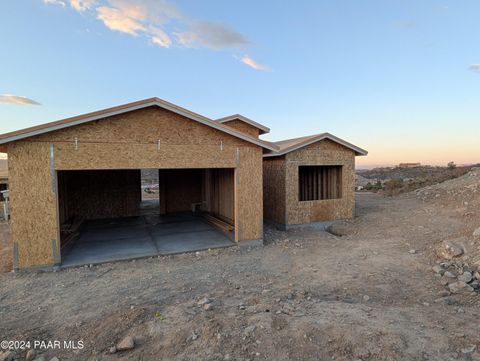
(140, 104)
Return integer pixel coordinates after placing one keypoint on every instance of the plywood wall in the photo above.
(183, 187)
(243, 127)
(220, 193)
(325, 152)
(249, 194)
(99, 194)
(33, 204)
(126, 141)
(274, 191)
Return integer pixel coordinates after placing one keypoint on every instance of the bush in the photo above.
(393, 186)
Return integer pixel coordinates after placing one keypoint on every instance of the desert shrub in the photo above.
(393, 186)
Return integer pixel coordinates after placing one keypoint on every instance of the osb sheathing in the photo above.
(243, 127)
(125, 141)
(183, 187)
(274, 193)
(33, 204)
(99, 194)
(249, 194)
(325, 152)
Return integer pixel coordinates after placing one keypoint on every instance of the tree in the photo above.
(451, 165)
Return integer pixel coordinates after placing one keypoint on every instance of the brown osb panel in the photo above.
(99, 194)
(324, 152)
(249, 197)
(243, 127)
(143, 126)
(127, 141)
(274, 189)
(183, 187)
(33, 203)
(219, 193)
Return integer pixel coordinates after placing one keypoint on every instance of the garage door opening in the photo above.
(109, 215)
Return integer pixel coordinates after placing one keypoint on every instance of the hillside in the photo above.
(395, 180)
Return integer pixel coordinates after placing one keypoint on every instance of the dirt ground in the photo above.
(306, 295)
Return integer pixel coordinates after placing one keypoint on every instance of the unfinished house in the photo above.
(151, 178)
(309, 179)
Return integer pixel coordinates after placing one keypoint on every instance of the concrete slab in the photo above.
(190, 226)
(135, 237)
(108, 251)
(113, 233)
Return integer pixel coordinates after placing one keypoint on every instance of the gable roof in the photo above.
(263, 129)
(290, 145)
(89, 117)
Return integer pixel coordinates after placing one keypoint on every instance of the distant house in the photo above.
(409, 165)
(88, 169)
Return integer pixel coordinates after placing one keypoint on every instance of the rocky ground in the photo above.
(374, 291)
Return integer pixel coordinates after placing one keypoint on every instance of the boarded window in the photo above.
(319, 182)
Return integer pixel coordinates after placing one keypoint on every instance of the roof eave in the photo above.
(89, 117)
(263, 129)
(358, 151)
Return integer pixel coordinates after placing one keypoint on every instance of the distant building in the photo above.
(409, 165)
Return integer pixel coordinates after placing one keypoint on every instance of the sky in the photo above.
(400, 79)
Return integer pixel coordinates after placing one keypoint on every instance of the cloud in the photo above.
(156, 19)
(159, 37)
(16, 99)
(82, 5)
(475, 68)
(253, 64)
(211, 35)
(115, 19)
(54, 2)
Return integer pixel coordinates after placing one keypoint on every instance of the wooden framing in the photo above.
(222, 165)
(124, 141)
(282, 201)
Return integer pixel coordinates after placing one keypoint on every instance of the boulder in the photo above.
(127, 343)
(7, 356)
(451, 249)
(459, 287)
(476, 233)
(203, 301)
(465, 277)
(438, 269)
(450, 274)
(30, 355)
(339, 229)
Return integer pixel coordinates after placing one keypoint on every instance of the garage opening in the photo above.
(109, 215)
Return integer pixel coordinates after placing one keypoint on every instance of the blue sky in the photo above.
(398, 78)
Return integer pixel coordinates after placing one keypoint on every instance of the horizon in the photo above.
(399, 80)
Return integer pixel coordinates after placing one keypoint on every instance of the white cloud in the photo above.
(16, 99)
(159, 37)
(211, 35)
(253, 64)
(54, 2)
(115, 19)
(474, 67)
(82, 5)
(156, 19)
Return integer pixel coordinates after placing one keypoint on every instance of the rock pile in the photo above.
(462, 191)
(458, 278)
(457, 270)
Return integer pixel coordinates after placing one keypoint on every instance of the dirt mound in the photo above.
(463, 191)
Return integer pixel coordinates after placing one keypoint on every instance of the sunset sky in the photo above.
(398, 78)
